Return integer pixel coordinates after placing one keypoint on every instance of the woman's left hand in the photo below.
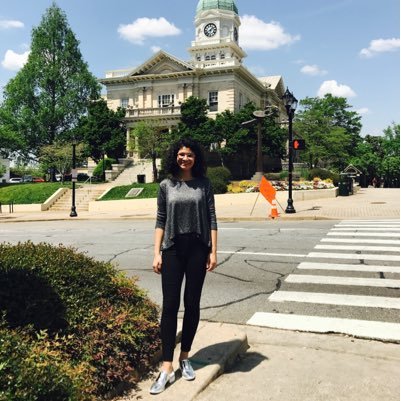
(211, 262)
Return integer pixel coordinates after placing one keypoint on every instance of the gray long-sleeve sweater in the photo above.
(185, 207)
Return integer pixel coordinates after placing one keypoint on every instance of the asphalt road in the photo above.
(254, 260)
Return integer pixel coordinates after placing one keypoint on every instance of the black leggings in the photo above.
(187, 258)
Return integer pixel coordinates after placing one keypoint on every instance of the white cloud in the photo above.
(9, 24)
(380, 46)
(336, 89)
(143, 28)
(259, 35)
(313, 70)
(155, 49)
(14, 61)
(363, 110)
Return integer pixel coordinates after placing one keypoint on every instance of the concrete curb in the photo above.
(215, 350)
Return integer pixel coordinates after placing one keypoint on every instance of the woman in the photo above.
(185, 245)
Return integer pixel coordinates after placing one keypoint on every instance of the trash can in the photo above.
(141, 178)
(343, 187)
(350, 183)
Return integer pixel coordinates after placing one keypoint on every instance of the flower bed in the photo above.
(253, 186)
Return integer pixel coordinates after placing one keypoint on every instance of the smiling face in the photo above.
(185, 159)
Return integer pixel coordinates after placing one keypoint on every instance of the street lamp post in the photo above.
(73, 179)
(290, 103)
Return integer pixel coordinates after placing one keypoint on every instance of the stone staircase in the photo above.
(83, 196)
(130, 173)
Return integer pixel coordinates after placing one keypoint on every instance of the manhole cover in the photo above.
(133, 192)
(377, 203)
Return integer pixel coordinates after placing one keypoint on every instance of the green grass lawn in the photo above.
(118, 193)
(22, 194)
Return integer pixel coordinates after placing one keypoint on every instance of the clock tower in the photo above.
(217, 36)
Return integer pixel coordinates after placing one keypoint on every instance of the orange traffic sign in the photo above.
(267, 190)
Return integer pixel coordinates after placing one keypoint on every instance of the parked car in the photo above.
(15, 180)
(37, 179)
(27, 178)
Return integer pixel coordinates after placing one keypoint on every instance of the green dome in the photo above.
(216, 4)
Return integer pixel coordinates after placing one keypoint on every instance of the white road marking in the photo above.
(368, 225)
(359, 256)
(345, 234)
(365, 229)
(335, 299)
(359, 328)
(334, 280)
(348, 267)
(362, 241)
(372, 221)
(263, 254)
(360, 248)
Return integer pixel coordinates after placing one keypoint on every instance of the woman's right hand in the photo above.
(157, 264)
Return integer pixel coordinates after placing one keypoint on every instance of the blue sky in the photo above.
(349, 48)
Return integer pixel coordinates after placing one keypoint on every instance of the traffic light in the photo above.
(298, 144)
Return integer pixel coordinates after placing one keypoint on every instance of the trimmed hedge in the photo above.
(219, 178)
(98, 171)
(82, 327)
(323, 174)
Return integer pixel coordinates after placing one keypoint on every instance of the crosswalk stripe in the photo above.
(262, 254)
(335, 299)
(362, 241)
(372, 221)
(365, 229)
(360, 248)
(354, 327)
(358, 256)
(348, 267)
(345, 234)
(334, 280)
(368, 225)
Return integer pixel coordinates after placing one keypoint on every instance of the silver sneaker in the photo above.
(187, 371)
(160, 384)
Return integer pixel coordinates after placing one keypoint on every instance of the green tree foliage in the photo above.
(239, 139)
(58, 156)
(379, 156)
(103, 131)
(44, 101)
(150, 141)
(330, 130)
(195, 123)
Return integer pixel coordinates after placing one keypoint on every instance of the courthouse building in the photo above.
(215, 71)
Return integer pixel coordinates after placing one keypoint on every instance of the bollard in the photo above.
(11, 207)
(0, 208)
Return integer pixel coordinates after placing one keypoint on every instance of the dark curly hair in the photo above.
(171, 166)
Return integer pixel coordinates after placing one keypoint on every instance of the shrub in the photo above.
(323, 174)
(98, 171)
(31, 370)
(219, 178)
(78, 315)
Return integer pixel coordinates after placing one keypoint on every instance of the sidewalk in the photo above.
(367, 203)
(281, 365)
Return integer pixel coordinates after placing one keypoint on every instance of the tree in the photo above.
(58, 156)
(103, 131)
(331, 132)
(150, 140)
(46, 98)
(379, 156)
(195, 123)
(391, 161)
(239, 139)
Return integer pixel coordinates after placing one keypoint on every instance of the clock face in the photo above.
(236, 34)
(210, 30)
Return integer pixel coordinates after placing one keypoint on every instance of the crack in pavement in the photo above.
(225, 305)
